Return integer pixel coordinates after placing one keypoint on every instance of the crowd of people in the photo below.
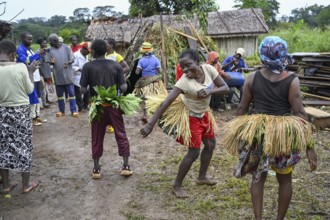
(77, 69)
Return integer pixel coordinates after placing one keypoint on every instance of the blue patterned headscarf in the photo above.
(273, 53)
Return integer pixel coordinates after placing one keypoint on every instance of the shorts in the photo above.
(287, 170)
(200, 128)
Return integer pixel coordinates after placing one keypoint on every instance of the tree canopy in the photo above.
(270, 8)
(314, 15)
(188, 7)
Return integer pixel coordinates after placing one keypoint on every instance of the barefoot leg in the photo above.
(206, 156)
(184, 167)
(257, 193)
(5, 178)
(179, 192)
(284, 194)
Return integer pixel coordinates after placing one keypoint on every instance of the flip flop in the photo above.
(96, 173)
(30, 188)
(9, 189)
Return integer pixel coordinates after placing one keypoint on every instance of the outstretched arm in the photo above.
(161, 109)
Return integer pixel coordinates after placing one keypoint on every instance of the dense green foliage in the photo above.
(188, 7)
(302, 38)
(313, 16)
(128, 104)
(269, 8)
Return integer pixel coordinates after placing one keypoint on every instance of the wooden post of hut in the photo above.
(162, 52)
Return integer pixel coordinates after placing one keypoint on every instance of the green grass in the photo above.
(301, 38)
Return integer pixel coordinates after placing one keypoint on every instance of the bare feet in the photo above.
(179, 192)
(206, 181)
(10, 188)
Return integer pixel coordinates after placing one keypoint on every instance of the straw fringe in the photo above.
(280, 135)
(175, 120)
(153, 88)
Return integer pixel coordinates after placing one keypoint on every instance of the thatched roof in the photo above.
(220, 24)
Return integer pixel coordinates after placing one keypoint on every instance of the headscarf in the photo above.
(213, 55)
(273, 53)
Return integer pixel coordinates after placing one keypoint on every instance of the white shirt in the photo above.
(36, 73)
(79, 62)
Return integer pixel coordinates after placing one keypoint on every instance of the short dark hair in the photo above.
(40, 40)
(7, 47)
(72, 36)
(193, 54)
(111, 41)
(99, 47)
(24, 34)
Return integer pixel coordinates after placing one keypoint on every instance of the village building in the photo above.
(228, 29)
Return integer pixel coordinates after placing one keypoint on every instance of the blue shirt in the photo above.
(149, 65)
(23, 57)
(241, 64)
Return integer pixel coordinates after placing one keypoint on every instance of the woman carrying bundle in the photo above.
(196, 85)
(272, 137)
(151, 81)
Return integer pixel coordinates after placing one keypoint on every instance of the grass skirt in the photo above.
(279, 135)
(150, 85)
(175, 120)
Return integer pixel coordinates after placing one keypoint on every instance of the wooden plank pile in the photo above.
(313, 70)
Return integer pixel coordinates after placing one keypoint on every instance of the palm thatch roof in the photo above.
(221, 24)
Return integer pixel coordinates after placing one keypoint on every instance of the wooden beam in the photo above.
(316, 102)
(315, 96)
(319, 118)
(223, 21)
(192, 43)
(162, 52)
(183, 34)
(259, 19)
(197, 35)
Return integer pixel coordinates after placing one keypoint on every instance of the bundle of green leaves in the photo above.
(128, 104)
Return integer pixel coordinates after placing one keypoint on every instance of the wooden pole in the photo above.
(197, 35)
(315, 96)
(162, 52)
(183, 34)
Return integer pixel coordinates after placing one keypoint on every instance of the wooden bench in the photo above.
(319, 118)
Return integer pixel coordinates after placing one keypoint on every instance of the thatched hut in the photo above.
(229, 29)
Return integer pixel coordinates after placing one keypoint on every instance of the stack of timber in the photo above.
(313, 70)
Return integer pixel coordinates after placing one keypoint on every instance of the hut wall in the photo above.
(230, 45)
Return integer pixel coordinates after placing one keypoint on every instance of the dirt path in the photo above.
(62, 164)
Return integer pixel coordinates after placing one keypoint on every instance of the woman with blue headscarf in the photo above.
(276, 111)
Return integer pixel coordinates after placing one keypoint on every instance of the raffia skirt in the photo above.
(266, 142)
(150, 85)
(175, 120)
(15, 138)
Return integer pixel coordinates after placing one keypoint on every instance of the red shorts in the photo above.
(200, 128)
